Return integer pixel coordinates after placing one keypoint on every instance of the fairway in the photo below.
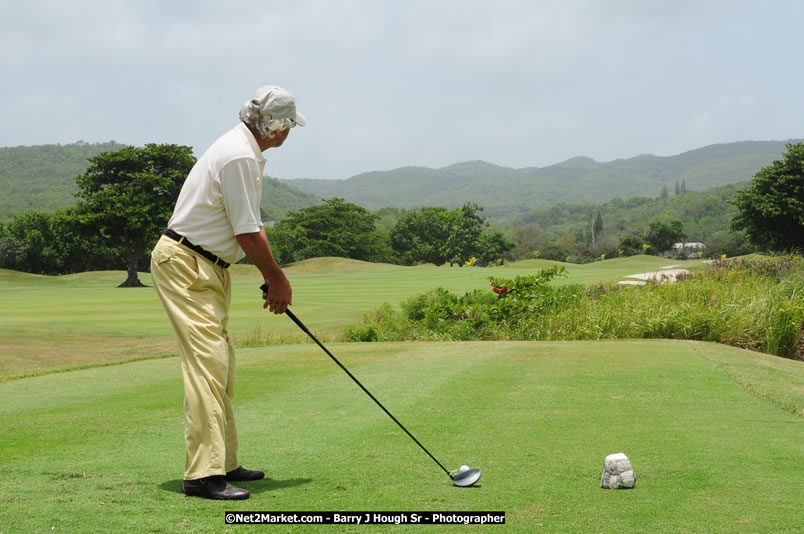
(101, 449)
(54, 322)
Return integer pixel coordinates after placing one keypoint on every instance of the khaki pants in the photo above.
(196, 295)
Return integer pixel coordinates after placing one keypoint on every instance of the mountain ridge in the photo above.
(506, 190)
(42, 178)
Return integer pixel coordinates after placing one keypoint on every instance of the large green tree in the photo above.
(437, 235)
(335, 228)
(464, 233)
(420, 236)
(127, 196)
(771, 209)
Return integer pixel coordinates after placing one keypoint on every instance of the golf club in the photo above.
(462, 479)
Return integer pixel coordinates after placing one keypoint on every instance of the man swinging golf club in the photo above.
(217, 222)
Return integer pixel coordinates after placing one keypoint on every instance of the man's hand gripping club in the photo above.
(277, 292)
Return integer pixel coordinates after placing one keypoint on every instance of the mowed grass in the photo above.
(53, 322)
(101, 449)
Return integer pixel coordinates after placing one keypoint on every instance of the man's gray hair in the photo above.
(265, 126)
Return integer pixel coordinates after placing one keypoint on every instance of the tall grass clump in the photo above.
(755, 303)
(260, 338)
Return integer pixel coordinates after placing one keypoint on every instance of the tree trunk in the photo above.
(134, 255)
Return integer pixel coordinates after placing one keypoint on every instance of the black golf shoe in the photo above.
(243, 474)
(214, 487)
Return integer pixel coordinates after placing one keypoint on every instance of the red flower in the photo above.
(500, 291)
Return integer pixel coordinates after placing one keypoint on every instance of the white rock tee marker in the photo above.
(618, 473)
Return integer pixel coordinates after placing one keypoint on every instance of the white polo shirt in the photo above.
(221, 196)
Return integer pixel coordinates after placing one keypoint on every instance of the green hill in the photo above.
(278, 198)
(505, 192)
(42, 178)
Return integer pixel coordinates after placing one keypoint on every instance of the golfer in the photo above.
(217, 222)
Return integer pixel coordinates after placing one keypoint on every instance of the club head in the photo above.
(467, 478)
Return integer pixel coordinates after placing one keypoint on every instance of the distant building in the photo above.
(687, 250)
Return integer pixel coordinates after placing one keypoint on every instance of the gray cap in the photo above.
(273, 103)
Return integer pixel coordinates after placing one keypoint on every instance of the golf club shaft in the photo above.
(356, 381)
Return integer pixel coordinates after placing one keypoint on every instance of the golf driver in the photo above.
(463, 478)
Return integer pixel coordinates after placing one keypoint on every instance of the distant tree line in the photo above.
(125, 199)
(77, 240)
(428, 235)
(126, 196)
(582, 233)
(766, 215)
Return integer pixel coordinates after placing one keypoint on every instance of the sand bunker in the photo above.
(668, 275)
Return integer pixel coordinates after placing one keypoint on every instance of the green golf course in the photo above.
(56, 322)
(91, 412)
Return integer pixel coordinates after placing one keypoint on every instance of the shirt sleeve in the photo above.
(241, 188)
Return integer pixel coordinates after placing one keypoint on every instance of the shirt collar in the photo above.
(243, 129)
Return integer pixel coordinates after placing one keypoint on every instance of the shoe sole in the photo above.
(211, 497)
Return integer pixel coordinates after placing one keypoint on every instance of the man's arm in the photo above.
(256, 247)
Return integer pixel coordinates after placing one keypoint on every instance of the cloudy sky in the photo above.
(390, 83)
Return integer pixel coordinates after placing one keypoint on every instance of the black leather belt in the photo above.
(195, 248)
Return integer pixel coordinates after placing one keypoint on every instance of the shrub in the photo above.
(380, 324)
(755, 303)
(364, 333)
